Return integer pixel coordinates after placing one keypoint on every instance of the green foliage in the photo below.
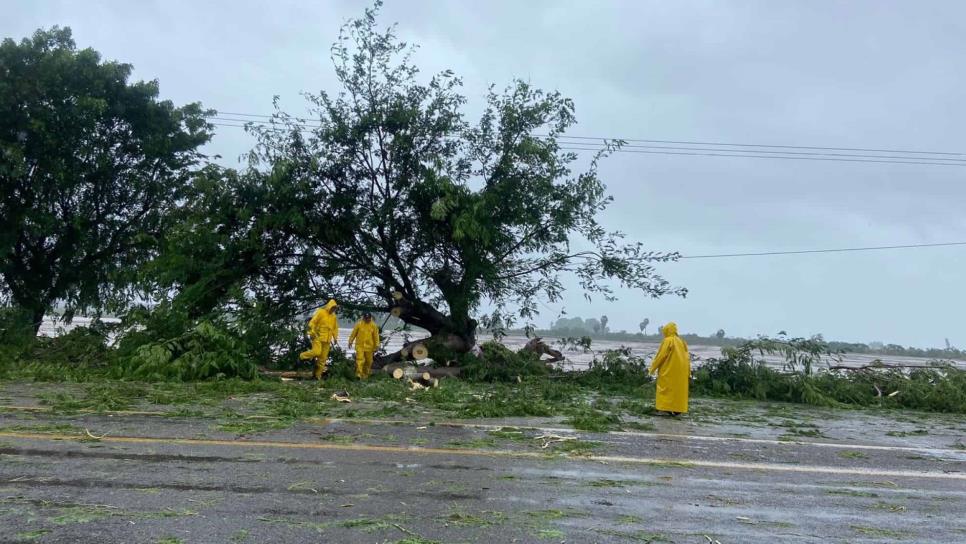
(81, 346)
(69, 357)
(340, 365)
(89, 163)
(590, 419)
(512, 402)
(500, 364)
(739, 374)
(16, 332)
(616, 368)
(207, 350)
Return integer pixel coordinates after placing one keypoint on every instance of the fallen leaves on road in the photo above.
(551, 438)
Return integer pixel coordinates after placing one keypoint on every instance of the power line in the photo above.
(768, 253)
(694, 142)
(686, 142)
(751, 156)
(836, 250)
(563, 139)
(699, 152)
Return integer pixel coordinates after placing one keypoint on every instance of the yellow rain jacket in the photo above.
(365, 335)
(323, 329)
(324, 326)
(673, 366)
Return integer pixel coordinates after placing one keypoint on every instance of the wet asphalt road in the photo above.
(167, 479)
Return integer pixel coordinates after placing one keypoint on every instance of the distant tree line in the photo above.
(578, 327)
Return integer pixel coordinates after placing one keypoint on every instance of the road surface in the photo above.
(139, 477)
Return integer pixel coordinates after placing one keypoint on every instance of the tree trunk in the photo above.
(37, 316)
(448, 334)
(33, 305)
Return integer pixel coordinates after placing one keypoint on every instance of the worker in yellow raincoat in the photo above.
(323, 332)
(366, 337)
(673, 367)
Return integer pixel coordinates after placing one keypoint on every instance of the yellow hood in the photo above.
(330, 304)
(671, 329)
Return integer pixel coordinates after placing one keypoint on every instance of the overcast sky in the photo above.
(866, 74)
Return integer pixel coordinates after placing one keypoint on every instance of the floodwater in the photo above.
(578, 359)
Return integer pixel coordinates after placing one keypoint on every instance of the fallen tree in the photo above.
(390, 200)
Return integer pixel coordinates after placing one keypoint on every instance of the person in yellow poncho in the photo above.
(366, 337)
(323, 332)
(673, 367)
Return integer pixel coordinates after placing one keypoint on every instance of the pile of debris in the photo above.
(420, 377)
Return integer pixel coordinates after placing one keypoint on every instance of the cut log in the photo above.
(396, 311)
(392, 368)
(425, 372)
(396, 295)
(419, 352)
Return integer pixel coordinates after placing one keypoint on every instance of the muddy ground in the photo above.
(731, 472)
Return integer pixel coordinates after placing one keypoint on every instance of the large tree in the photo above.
(89, 163)
(387, 198)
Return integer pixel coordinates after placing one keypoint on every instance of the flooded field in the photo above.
(577, 359)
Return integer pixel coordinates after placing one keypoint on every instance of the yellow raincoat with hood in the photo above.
(323, 330)
(673, 366)
(366, 337)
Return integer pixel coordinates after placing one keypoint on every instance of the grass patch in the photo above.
(475, 443)
(460, 518)
(319, 527)
(606, 483)
(889, 507)
(852, 493)
(576, 447)
(848, 454)
(878, 532)
(32, 535)
(80, 514)
(242, 426)
(368, 525)
(917, 432)
(45, 428)
(550, 534)
(594, 420)
(162, 514)
(338, 438)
